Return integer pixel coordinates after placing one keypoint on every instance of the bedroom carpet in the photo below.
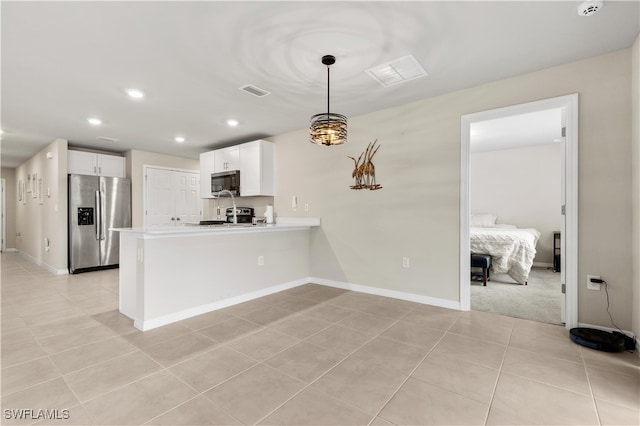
(537, 301)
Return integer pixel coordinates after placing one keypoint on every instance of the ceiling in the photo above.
(517, 131)
(63, 62)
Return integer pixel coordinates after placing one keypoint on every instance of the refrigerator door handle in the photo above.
(103, 217)
(98, 215)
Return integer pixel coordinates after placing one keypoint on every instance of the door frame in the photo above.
(569, 257)
(3, 212)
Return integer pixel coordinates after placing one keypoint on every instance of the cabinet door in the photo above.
(82, 163)
(207, 166)
(111, 165)
(227, 159)
(250, 169)
(257, 168)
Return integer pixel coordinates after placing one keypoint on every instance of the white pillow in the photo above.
(483, 220)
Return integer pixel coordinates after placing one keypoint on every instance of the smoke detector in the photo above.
(590, 7)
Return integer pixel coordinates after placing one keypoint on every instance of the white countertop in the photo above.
(283, 224)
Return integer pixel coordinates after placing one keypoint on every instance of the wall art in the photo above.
(364, 171)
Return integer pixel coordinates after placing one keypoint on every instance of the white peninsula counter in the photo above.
(169, 274)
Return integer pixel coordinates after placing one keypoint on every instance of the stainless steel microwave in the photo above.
(226, 181)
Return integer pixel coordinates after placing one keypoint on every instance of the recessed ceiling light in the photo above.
(94, 121)
(179, 139)
(232, 123)
(135, 93)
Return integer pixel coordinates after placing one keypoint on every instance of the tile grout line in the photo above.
(410, 374)
(495, 385)
(593, 398)
(324, 374)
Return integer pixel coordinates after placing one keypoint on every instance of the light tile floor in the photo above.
(309, 355)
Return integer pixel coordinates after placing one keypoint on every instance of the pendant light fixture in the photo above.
(328, 128)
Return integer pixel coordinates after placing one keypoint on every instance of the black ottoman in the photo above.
(479, 260)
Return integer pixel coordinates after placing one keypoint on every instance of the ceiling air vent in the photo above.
(107, 139)
(255, 90)
(397, 71)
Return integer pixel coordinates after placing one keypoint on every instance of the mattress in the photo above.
(512, 249)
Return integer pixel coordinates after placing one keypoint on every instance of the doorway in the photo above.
(569, 174)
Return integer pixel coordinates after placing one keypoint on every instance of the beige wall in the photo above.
(136, 160)
(635, 192)
(364, 235)
(9, 175)
(523, 187)
(46, 218)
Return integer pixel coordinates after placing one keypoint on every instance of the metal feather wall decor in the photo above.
(364, 171)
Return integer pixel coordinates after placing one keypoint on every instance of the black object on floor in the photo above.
(597, 339)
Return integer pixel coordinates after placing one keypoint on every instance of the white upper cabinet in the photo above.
(257, 172)
(207, 166)
(227, 159)
(90, 163)
(255, 160)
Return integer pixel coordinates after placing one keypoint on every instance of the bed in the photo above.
(512, 249)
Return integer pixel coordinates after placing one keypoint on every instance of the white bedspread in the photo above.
(512, 250)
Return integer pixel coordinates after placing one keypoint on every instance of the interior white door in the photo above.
(159, 198)
(172, 197)
(188, 203)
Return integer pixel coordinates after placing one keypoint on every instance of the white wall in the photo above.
(522, 186)
(37, 220)
(364, 235)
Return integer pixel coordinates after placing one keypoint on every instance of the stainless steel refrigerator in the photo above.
(96, 204)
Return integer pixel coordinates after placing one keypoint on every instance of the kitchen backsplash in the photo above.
(259, 204)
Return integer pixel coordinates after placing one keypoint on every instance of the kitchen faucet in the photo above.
(233, 202)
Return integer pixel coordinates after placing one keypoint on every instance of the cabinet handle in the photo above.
(100, 170)
(94, 169)
(173, 218)
(177, 218)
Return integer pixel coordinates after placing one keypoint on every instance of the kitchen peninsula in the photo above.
(170, 274)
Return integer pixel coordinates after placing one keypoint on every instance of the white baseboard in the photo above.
(411, 297)
(150, 324)
(44, 265)
(12, 250)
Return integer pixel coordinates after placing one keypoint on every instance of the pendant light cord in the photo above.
(328, 82)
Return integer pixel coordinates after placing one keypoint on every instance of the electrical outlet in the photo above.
(260, 260)
(405, 262)
(593, 286)
(306, 207)
(294, 202)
